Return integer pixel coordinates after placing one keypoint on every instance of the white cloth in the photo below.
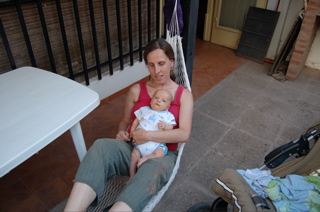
(258, 179)
(149, 120)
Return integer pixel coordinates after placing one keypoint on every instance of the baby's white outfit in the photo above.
(149, 120)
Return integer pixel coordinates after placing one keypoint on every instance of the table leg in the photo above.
(78, 140)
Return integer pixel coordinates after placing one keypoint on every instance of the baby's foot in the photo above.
(141, 161)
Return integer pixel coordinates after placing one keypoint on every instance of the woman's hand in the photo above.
(123, 135)
(139, 136)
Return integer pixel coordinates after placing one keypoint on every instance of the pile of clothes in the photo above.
(292, 193)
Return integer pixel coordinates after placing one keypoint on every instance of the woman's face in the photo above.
(159, 66)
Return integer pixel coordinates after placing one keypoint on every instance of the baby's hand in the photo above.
(162, 125)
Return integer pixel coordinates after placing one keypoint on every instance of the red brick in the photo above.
(309, 16)
(309, 22)
(312, 9)
(291, 72)
(305, 35)
(314, 3)
(293, 66)
(297, 56)
(295, 62)
(302, 40)
(291, 75)
(305, 28)
(292, 78)
(301, 45)
(297, 51)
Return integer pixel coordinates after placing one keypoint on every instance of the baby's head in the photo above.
(161, 100)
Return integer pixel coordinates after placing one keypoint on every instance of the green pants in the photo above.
(109, 157)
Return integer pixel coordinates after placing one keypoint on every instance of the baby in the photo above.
(153, 118)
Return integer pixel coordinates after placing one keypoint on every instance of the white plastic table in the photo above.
(36, 107)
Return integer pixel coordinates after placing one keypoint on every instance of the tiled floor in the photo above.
(45, 179)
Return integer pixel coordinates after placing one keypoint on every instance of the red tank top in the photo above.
(144, 100)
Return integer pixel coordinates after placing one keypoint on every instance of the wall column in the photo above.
(304, 40)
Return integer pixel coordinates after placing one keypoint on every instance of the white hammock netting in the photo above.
(173, 37)
(114, 187)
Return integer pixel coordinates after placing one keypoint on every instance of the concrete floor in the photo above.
(238, 122)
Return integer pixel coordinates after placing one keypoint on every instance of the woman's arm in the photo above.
(178, 135)
(134, 125)
(131, 99)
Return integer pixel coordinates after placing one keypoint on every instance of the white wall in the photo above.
(289, 11)
(313, 59)
(121, 79)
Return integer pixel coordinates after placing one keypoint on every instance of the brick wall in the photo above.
(305, 39)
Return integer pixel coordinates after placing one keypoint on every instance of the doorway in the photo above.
(224, 20)
(201, 18)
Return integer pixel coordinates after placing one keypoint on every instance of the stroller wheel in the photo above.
(200, 207)
(219, 205)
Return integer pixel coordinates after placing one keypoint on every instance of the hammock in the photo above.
(173, 37)
(114, 187)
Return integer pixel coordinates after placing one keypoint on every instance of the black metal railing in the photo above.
(77, 39)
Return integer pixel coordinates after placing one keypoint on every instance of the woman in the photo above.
(109, 157)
